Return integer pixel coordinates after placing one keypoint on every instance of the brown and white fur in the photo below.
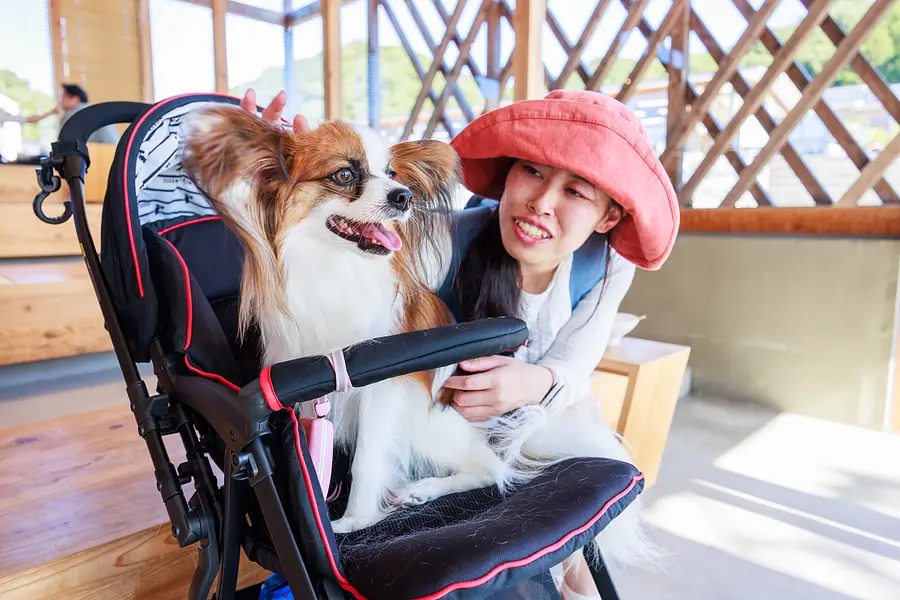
(311, 291)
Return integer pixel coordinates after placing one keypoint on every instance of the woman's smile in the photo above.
(530, 232)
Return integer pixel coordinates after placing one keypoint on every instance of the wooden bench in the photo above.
(80, 516)
(638, 384)
(23, 235)
(49, 310)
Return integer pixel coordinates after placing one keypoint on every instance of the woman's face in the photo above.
(547, 213)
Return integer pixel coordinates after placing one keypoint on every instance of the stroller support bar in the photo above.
(308, 378)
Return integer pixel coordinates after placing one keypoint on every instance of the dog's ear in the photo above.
(225, 143)
(430, 169)
(238, 161)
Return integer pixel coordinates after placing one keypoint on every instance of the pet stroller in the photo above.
(167, 280)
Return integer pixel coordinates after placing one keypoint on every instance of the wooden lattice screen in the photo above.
(707, 111)
(690, 104)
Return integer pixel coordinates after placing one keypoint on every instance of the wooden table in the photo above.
(638, 384)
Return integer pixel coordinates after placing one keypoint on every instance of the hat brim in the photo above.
(600, 141)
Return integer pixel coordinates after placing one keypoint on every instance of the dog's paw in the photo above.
(419, 492)
(351, 524)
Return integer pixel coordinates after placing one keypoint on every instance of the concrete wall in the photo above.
(805, 325)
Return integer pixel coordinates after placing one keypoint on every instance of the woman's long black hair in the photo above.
(487, 282)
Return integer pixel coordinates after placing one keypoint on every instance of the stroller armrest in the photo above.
(311, 377)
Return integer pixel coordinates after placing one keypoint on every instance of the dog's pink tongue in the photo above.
(385, 237)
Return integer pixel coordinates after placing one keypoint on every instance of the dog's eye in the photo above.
(391, 174)
(343, 176)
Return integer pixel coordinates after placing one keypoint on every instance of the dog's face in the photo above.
(336, 180)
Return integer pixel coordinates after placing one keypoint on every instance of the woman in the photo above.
(572, 172)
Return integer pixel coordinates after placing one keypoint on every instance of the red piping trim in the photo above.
(272, 400)
(275, 404)
(213, 376)
(190, 322)
(187, 290)
(265, 382)
(128, 188)
(524, 561)
(180, 225)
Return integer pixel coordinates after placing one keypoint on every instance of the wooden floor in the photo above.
(80, 516)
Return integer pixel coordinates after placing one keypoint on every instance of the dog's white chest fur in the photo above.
(343, 297)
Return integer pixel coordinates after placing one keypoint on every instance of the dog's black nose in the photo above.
(399, 198)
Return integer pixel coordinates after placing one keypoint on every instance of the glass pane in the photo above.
(255, 52)
(181, 35)
(26, 80)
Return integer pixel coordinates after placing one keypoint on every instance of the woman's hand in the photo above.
(497, 385)
(272, 113)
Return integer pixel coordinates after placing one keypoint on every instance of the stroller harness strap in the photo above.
(320, 431)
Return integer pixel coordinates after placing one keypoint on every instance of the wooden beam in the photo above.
(678, 66)
(653, 43)
(146, 50)
(634, 15)
(757, 94)
(219, 8)
(452, 77)
(727, 68)
(768, 123)
(436, 61)
(576, 51)
(308, 12)
(432, 46)
(57, 32)
(245, 10)
(869, 221)
(871, 173)
(528, 66)
(858, 63)
(331, 39)
(830, 120)
(813, 93)
(414, 59)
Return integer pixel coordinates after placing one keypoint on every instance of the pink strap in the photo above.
(342, 379)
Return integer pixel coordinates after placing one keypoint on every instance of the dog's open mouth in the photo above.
(374, 238)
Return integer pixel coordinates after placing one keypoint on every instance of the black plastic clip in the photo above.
(49, 183)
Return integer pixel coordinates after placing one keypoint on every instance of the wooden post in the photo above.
(678, 76)
(146, 50)
(219, 8)
(60, 60)
(331, 40)
(528, 66)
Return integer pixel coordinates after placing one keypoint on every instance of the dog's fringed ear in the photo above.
(430, 169)
(225, 143)
(238, 161)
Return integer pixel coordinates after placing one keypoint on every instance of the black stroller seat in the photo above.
(167, 280)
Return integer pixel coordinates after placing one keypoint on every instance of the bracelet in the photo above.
(554, 390)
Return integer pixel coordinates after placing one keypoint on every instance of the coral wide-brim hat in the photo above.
(594, 136)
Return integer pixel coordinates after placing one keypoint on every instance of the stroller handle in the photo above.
(307, 378)
(91, 118)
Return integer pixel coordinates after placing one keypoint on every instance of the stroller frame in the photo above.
(213, 517)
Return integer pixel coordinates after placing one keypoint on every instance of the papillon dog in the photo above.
(343, 236)
(336, 226)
